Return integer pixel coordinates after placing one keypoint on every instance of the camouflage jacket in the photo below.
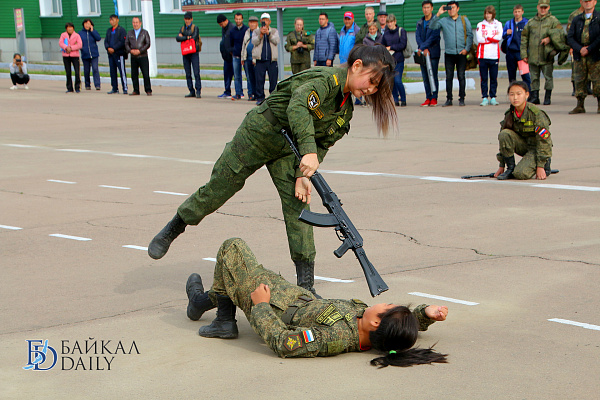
(292, 39)
(537, 29)
(310, 104)
(534, 128)
(324, 327)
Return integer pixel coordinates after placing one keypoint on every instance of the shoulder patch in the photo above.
(544, 134)
(313, 100)
(329, 316)
(357, 301)
(308, 336)
(292, 342)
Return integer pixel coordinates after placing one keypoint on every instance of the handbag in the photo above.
(408, 51)
(188, 47)
(472, 61)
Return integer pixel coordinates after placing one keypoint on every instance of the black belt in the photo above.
(288, 315)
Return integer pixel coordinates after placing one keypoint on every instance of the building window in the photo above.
(51, 8)
(88, 8)
(172, 6)
(129, 7)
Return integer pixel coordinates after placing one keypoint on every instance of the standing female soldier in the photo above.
(525, 131)
(315, 106)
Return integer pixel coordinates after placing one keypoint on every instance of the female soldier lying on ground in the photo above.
(294, 323)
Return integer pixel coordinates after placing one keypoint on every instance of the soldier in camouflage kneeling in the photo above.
(525, 130)
(294, 323)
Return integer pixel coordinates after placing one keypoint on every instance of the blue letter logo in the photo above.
(38, 355)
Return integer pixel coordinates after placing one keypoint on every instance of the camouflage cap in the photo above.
(544, 3)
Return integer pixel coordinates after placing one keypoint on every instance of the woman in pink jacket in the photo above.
(489, 34)
(70, 43)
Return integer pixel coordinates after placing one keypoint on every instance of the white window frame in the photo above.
(84, 8)
(166, 7)
(125, 8)
(46, 9)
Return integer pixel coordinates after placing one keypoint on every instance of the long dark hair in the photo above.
(396, 334)
(378, 59)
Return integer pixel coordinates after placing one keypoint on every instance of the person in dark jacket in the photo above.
(428, 44)
(512, 36)
(137, 44)
(584, 38)
(236, 36)
(191, 62)
(226, 50)
(114, 42)
(326, 42)
(89, 53)
(395, 40)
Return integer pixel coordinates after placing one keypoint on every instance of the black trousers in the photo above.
(458, 61)
(68, 61)
(19, 80)
(261, 68)
(143, 64)
(191, 62)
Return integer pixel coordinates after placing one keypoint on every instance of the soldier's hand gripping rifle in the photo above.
(337, 217)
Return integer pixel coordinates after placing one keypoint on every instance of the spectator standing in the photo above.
(299, 44)
(18, 72)
(265, 41)
(326, 42)
(226, 50)
(569, 22)
(191, 62)
(137, 44)
(364, 30)
(114, 42)
(584, 38)
(538, 50)
(70, 43)
(382, 19)
(237, 40)
(395, 40)
(347, 36)
(374, 35)
(512, 35)
(456, 47)
(489, 34)
(89, 53)
(247, 60)
(428, 44)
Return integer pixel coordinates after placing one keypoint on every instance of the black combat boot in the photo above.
(598, 110)
(224, 326)
(305, 275)
(160, 244)
(579, 109)
(573, 92)
(547, 167)
(547, 98)
(199, 302)
(510, 167)
(535, 96)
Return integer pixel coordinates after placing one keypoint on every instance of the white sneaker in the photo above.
(26, 87)
(14, 87)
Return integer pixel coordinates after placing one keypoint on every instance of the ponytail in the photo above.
(410, 357)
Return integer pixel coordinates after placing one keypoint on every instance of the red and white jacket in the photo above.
(488, 39)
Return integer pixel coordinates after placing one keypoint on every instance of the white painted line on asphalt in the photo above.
(20, 145)
(173, 193)
(12, 228)
(580, 324)
(114, 187)
(132, 246)
(442, 179)
(60, 235)
(58, 181)
(567, 187)
(131, 155)
(433, 296)
(210, 259)
(324, 278)
(75, 150)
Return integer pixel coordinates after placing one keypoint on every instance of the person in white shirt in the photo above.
(18, 72)
(489, 34)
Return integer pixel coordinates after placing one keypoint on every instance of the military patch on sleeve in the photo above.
(329, 316)
(319, 113)
(543, 132)
(292, 342)
(308, 336)
(313, 100)
(340, 121)
(336, 80)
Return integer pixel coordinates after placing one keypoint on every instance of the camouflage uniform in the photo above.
(319, 327)
(300, 62)
(585, 68)
(308, 104)
(569, 21)
(540, 57)
(529, 138)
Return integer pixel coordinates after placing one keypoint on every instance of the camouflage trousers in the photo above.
(547, 70)
(511, 143)
(300, 67)
(585, 70)
(238, 274)
(255, 144)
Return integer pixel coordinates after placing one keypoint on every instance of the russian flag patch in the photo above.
(308, 336)
(542, 132)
